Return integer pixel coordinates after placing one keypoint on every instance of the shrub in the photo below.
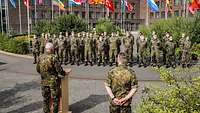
(179, 95)
(19, 46)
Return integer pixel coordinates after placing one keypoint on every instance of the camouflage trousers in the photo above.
(170, 59)
(141, 57)
(47, 92)
(68, 55)
(35, 55)
(120, 109)
(112, 55)
(100, 56)
(129, 54)
(154, 56)
(88, 54)
(185, 58)
(73, 55)
(61, 55)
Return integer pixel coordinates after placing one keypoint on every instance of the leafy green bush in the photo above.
(13, 45)
(70, 23)
(63, 23)
(179, 95)
(105, 25)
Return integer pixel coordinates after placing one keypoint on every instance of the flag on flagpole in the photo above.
(74, 2)
(26, 3)
(13, 2)
(122, 6)
(59, 4)
(128, 5)
(193, 6)
(109, 4)
(152, 5)
(95, 1)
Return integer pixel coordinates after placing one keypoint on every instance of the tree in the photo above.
(105, 25)
(70, 23)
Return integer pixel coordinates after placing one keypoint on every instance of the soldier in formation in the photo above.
(36, 49)
(155, 45)
(102, 49)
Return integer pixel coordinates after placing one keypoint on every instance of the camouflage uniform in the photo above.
(113, 49)
(36, 49)
(118, 43)
(73, 48)
(51, 72)
(170, 52)
(87, 49)
(78, 50)
(100, 50)
(42, 43)
(165, 39)
(82, 47)
(121, 80)
(127, 41)
(155, 50)
(94, 47)
(186, 52)
(55, 44)
(68, 49)
(106, 48)
(61, 48)
(181, 44)
(142, 44)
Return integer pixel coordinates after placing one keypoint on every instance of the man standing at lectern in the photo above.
(121, 84)
(51, 73)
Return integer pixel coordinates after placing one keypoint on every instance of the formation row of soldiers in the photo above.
(91, 48)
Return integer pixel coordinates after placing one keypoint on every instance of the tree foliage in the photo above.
(180, 95)
(105, 25)
(64, 23)
(70, 23)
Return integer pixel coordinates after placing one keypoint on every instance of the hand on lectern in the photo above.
(67, 71)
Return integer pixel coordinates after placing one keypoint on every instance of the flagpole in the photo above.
(147, 15)
(20, 19)
(35, 11)
(8, 18)
(1, 18)
(5, 10)
(186, 8)
(166, 10)
(27, 8)
(52, 10)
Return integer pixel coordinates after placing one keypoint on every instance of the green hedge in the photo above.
(13, 45)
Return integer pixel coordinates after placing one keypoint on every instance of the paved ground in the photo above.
(20, 90)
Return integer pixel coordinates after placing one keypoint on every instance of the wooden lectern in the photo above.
(64, 97)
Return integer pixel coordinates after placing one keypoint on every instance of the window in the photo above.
(83, 14)
(132, 15)
(151, 15)
(163, 14)
(116, 15)
(91, 15)
(176, 13)
(157, 15)
(127, 14)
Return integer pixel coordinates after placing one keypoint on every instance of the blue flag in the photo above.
(152, 5)
(13, 2)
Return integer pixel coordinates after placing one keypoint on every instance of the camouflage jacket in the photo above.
(121, 80)
(50, 69)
